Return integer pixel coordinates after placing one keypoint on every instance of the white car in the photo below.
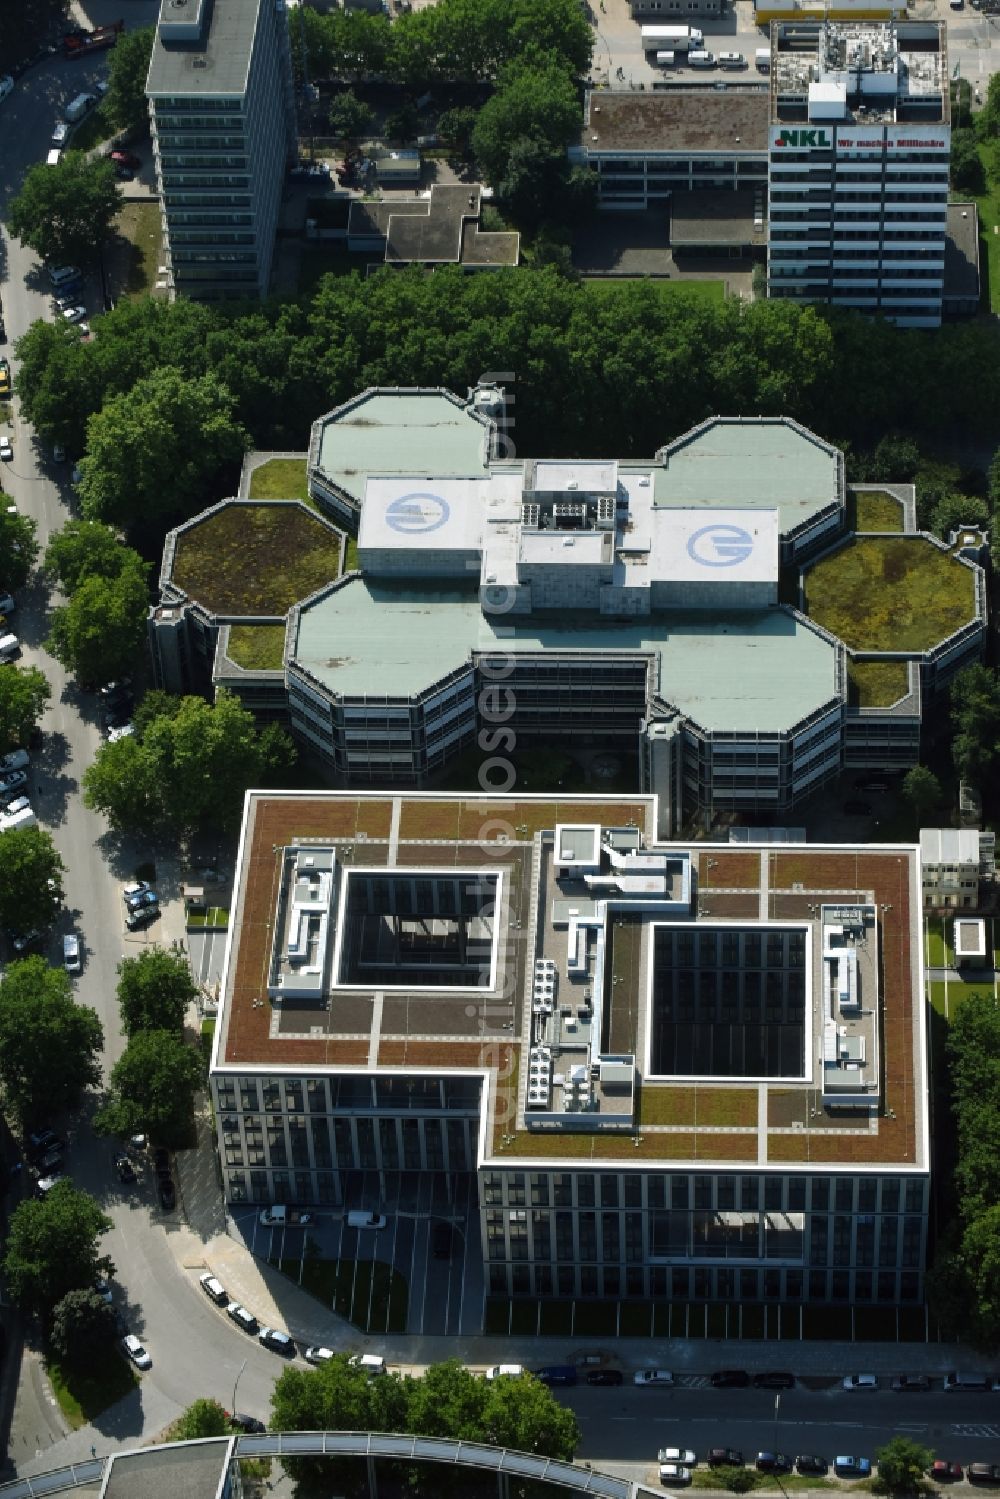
(674, 1473)
(74, 314)
(318, 1355)
(71, 954)
(861, 1382)
(652, 1376)
(505, 1371)
(371, 1363)
(125, 731)
(682, 1455)
(19, 804)
(135, 1351)
(60, 131)
(6, 451)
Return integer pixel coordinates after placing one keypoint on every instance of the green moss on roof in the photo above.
(874, 510)
(280, 479)
(256, 559)
(875, 684)
(890, 594)
(257, 647)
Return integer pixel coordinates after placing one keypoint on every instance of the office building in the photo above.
(859, 144)
(223, 126)
(676, 1072)
(956, 864)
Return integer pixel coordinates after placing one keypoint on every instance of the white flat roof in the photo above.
(564, 548)
(714, 546)
(589, 476)
(970, 938)
(410, 513)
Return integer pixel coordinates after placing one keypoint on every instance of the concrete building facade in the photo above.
(223, 125)
(672, 1071)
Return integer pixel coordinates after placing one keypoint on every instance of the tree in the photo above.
(402, 124)
(97, 634)
(187, 768)
(953, 511)
(902, 1466)
(152, 1088)
(82, 1324)
(524, 1414)
(84, 549)
(349, 116)
(52, 1247)
(456, 126)
(975, 716)
(967, 175)
(158, 450)
(24, 693)
(922, 790)
(125, 101)
(49, 1045)
(18, 549)
(55, 382)
(64, 213)
(28, 26)
(31, 871)
(155, 990)
(897, 459)
(203, 1418)
(536, 103)
(980, 1256)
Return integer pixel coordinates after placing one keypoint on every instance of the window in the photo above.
(585, 1191)
(562, 1191)
(588, 1236)
(539, 1191)
(609, 1191)
(515, 1190)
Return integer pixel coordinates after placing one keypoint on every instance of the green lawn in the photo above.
(873, 510)
(890, 593)
(137, 253)
(947, 997)
(82, 1395)
(215, 919)
(988, 204)
(368, 1293)
(705, 291)
(257, 647)
(939, 954)
(92, 130)
(256, 559)
(875, 684)
(280, 479)
(708, 1478)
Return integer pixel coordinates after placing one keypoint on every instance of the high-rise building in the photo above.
(859, 142)
(222, 112)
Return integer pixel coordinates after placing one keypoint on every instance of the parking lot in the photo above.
(445, 1296)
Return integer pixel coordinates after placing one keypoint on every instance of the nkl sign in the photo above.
(812, 138)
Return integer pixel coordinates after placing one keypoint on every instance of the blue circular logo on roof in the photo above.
(417, 513)
(720, 546)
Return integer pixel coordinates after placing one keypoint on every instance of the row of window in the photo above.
(724, 1193)
(681, 1284)
(348, 1094)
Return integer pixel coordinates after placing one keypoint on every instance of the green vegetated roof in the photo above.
(257, 647)
(280, 479)
(874, 510)
(255, 559)
(890, 593)
(876, 684)
(759, 670)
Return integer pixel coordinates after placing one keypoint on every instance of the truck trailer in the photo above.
(671, 38)
(75, 45)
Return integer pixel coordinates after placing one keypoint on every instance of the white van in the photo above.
(762, 59)
(365, 1220)
(732, 60)
(10, 647)
(701, 59)
(77, 108)
(665, 59)
(54, 157)
(11, 821)
(967, 1383)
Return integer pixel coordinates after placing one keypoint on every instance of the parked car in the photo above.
(371, 1364)
(317, 1354)
(774, 1379)
(773, 1462)
(7, 603)
(945, 1472)
(46, 1183)
(645, 1377)
(75, 313)
(605, 1377)
(806, 1463)
(135, 919)
(136, 887)
(860, 1381)
(671, 1473)
(103, 1289)
(125, 1169)
(5, 385)
(505, 1371)
(910, 1383)
(276, 1340)
(852, 1467)
(983, 1472)
(135, 1351)
(44, 1140)
(71, 954)
(11, 780)
(243, 1422)
(21, 941)
(682, 1455)
(730, 1379)
(242, 1317)
(17, 759)
(126, 158)
(141, 900)
(13, 803)
(6, 451)
(50, 1160)
(120, 731)
(724, 1457)
(213, 1288)
(557, 1374)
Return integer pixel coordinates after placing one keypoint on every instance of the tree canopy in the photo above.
(975, 717)
(65, 212)
(202, 1418)
(902, 1467)
(922, 790)
(18, 548)
(350, 116)
(447, 1401)
(28, 26)
(82, 1324)
(152, 1088)
(49, 1045)
(154, 990)
(31, 871)
(128, 64)
(187, 768)
(534, 103)
(24, 693)
(98, 632)
(87, 548)
(158, 450)
(52, 1247)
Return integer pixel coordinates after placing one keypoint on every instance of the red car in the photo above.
(125, 159)
(946, 1472)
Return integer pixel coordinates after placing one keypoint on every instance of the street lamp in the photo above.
(236, 1383)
